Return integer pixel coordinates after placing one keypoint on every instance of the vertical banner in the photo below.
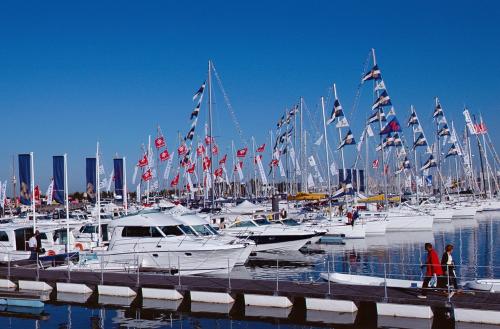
(91, 178)
(25, 179)
(50, 192)
(58, 174)
(118, 170)
(362, 185)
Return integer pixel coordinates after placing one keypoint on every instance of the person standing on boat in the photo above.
(433, 270)
(32, 244)
(449, 268)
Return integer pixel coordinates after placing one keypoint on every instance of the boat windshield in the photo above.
(203, 229)
(171, 230)
(262, 221)
(187, 230)
(290, 222)
(88, 229)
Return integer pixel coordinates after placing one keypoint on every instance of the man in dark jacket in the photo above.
(433, 269)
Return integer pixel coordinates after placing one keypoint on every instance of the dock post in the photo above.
(179, 270)
(228, 276)
(385, 282)
(329, 287)
(37, 267)
(277, 275)
(8, 265)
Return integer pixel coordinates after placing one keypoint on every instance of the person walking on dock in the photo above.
(433, 270)
(32, 244)
(449, 268)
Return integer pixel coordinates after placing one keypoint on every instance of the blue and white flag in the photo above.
(373, 74)
(382, 100)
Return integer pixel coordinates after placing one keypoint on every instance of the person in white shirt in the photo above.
(449, 268)
(32, 244)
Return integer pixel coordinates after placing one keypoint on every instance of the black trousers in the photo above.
(451, 279)
(440, 284)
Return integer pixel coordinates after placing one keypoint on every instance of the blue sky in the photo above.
(72, 73)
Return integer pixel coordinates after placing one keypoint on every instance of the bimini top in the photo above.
(246, 207)
(191, 219)
(146, 219)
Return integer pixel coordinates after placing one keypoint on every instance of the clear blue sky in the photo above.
(72, 73)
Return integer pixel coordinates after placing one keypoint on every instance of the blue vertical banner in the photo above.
(58, 174)
(25, 178)
(90, 188)
(118, 166)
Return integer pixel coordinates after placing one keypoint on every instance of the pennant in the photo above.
(378, 115)
(391, 127)
(373, 74)
(164, 155)
(206, 163)
(241, 153)
(452, 151)
(175, 181)
(191, 168)
(420, 141)
(392, 111)
(431, 162)
(148, 175)
(337, 112)
(208, 140)
(375, 164)
(223, 160)
(382, 100)
(182, 150)
(413, 120)
(215, 149)
(380, 85)
(342, 123)
(199, 92)
(348, 140)
(261, 148)
(444, 131)
(159, 142)
(190, 134)
(200, 150)
(319, 140)
(369, 131)
(438, 111)
(218, 172)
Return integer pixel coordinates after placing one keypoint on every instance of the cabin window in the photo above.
(187, 229)
(4, 236)
(203, 229)
(140, 232)
(88, 229)
(262, 221)
(243, 224)
(171, 230)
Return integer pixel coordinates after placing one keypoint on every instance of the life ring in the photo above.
(51, 253)
(79, 246)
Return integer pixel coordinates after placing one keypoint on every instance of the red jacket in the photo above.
(433, 264)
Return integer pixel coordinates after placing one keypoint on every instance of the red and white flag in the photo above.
(37, 193)
(164, 155)
(175, 181)
(159, 142)
(274, 163)
(241, 153)
(191, 168)
(257, 158)
(209, 140)
(223, 160)
(200, 150)
(261, 148)
(215, 149)
(375, 164)
(480, 128)
(218, 172)
(206, 163)
(143, 162)
(182, 150)
(148, 175)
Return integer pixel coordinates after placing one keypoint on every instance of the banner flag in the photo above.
(50, 192)
(134, 177)
(118, 169)
(58, 174)
(138, 194)
(166, 173)
(90, 178)
(261, 170)
(4, 194)
(25, 178)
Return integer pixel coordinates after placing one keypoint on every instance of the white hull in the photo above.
(282, 246)
(464, 212)
(491, 285)
(375, 227)
(442, 215)
(365, 280)
(409, 223)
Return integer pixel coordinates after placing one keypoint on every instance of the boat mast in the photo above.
(301, 141)
(125, 189)
(340, 140)
(33, 190)
(210, 128)
(66, 197)
(415, 155)
(98, 197)
(327, 159)
(149, 158)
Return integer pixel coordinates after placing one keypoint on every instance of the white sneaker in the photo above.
(421, 296)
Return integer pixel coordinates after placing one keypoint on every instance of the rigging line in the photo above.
(357, 96)
(230, 107)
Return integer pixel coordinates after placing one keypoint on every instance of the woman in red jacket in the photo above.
(433, 269)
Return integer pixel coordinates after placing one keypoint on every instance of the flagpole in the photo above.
(98, 201)
(66, 196)
(340, 140)
(303, 174)
(486, 158)
(327, 159)
(33, 207)
(254, 168)
(415, 154)
(149, 160)
(125, 188)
